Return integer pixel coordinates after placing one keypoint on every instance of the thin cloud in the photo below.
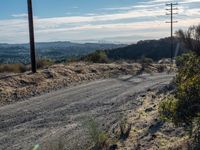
(100, 26)
(139, 6)
(23, 15)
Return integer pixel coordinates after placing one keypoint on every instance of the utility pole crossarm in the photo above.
(171, 22)
(173, 9)
(169, 4)
(168, 14)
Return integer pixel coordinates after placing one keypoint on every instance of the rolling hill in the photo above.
(155, 49)
(19, 53)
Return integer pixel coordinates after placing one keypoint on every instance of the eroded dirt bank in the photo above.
(18, 87)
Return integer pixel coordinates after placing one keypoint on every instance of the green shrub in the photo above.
(97, 57)
(14, 68)
(145, 63)
(195, 130)
(186, 102)
(97, 136)
(43, 63)
(167, 109)
(36, 147)
(188, 87)
(184, 108)
(145, 60)
(72, 59)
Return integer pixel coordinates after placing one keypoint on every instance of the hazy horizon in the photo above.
(86, 41)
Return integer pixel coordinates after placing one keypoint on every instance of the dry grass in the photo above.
(20, 68)
(97, 136)
(43, 63)
(14, 68)
(51, 144)
(54, 145)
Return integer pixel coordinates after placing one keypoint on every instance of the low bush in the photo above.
(167, 109)
(43, 63)
(125, 129)
(97, 57)
(145, 60)
(161, 68)
(183, 109)
(56, 144)
(145, 63)
(72, 59)
(51, 144)
(96, 135)
(14, 68)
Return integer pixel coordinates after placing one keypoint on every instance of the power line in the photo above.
(170, 11)
(31, 36)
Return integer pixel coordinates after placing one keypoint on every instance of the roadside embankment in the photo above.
(17, 87)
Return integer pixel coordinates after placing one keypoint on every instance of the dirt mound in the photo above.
(17, 87)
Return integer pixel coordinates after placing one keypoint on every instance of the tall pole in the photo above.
(31, 36)
(171, 22)
(172, 42)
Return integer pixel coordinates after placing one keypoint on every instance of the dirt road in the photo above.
(31, 122)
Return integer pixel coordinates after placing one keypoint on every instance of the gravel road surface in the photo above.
(63, 112)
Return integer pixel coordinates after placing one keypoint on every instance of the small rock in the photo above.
(153, 96)
(113, 147)
(149, 109)
(148, 90)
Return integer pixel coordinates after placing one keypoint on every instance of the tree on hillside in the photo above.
(190, 38)
(97, 57)
(154, 49)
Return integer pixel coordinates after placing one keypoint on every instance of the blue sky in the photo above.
(120, 21)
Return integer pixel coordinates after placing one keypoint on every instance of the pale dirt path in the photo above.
(30, 122)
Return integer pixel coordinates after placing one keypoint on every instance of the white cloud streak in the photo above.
(23, 15)
(100, 26)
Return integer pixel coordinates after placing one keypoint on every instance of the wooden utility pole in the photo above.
(31, 35)
(171, 13)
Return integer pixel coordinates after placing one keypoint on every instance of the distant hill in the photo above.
(19, 53)
(155, 49)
